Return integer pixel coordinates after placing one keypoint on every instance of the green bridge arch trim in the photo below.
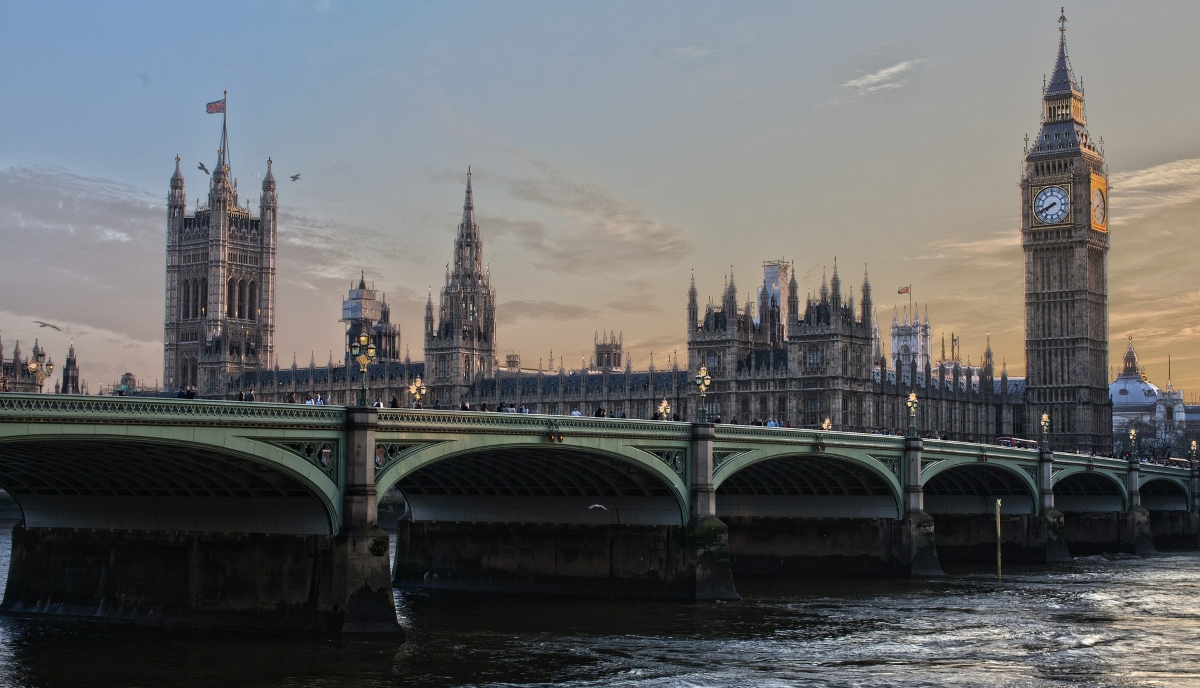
(746, 446)
(258, 445)
(1060, 474)
(435, 447)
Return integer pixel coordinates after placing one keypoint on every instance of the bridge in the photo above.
(252, 515)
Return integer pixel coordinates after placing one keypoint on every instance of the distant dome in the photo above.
(1131, 388)
(1132, 391)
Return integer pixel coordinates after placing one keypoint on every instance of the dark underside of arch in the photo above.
(539, 485)
(806, 487)
(132, 485)
(974, 489)
(1163, 495)
(1087, 492)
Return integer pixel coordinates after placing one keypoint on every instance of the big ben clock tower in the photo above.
(1064, 233)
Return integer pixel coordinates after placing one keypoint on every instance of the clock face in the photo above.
(1098, 206)
(1051, 205)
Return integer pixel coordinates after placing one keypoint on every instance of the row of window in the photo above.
(242, 299)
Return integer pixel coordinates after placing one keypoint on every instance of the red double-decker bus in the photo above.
(1017, 443)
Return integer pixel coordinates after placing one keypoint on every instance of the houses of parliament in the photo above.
(812, 361)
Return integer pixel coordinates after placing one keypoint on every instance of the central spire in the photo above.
(1062, 80)
(468, 251)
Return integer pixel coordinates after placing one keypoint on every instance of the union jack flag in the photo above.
(901, 290)
(216, 107)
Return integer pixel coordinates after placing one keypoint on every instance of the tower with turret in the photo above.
(220, 283)
(461, 346)
(1064, 234)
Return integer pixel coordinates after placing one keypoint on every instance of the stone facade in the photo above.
(819, 368)
(220, 284)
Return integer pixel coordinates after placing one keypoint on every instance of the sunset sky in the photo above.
(615, 148)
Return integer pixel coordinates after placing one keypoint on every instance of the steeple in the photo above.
(1064, 121)
(468, 253)
(866, 296)
(223, 152)
(836, 286)
(1062, 80)
(693, 307)
(178, 198)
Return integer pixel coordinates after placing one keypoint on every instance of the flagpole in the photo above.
(910, 310)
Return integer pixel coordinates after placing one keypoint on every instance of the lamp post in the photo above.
(703, 382)
(1133, 444)
(912, 404)
(39, 368)
(664, 410)
(417, 390)
(1045, 432)
(363, 351)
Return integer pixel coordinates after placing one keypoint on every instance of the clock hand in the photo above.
(1047, 207)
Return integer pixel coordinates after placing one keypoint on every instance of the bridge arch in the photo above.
(796, 483)
(972, 487)
(1079, 490)
(1164, 494)
(522, 479)
(168, 478)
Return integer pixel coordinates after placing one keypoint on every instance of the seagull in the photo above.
(46, 324)
(597, 506)
(295, 177)
(258, 175)
(202, 168)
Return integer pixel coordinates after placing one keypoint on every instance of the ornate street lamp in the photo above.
(363, 351)
(664, 410)
(703, 382)
(1193, 452)
(39, 368)
(1045, 432)
(1133, 444)
(417, 390)
(912, 404)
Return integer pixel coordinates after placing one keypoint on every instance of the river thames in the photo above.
(1096, 622)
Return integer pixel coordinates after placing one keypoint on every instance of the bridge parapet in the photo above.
(428, 421)
(82, 409)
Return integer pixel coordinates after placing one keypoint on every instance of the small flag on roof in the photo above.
(217, 107)
(904, 290)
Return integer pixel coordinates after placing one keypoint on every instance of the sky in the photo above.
(616, 147)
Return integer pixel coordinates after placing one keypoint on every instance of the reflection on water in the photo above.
(1095, 622)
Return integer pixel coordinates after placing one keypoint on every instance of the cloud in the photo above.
(82, 249)
(691, 52)
(1139, 192)
(603, 234)
(512, 312)
(883, 80)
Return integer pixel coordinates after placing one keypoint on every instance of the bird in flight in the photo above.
(258, 175)
(46, 324)
(202, 168)
(295, 177)
(597, 506)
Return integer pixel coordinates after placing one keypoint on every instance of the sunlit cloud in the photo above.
(885, 79)
(1139, 192)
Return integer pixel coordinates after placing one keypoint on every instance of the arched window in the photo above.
(187, 299)
(241, 302)
(202, 297)
(231, 297)
(252, 301)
